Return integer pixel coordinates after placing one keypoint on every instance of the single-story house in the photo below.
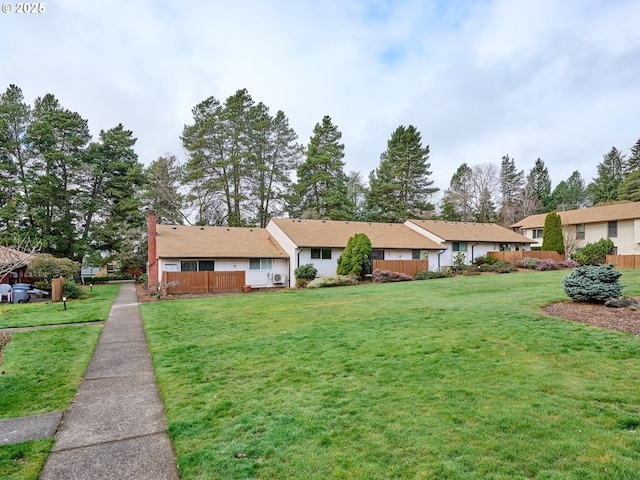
(181, 248)
(13, 265)
(619, 222)
(321, 242)
(472, 239)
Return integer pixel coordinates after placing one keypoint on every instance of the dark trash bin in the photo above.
(20, 294)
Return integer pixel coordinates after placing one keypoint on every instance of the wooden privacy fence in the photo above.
(624, 261)
(410, 267)
(516, 256)
(204, 282)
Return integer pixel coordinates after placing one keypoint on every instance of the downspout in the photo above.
(440, 253)
(472, 257)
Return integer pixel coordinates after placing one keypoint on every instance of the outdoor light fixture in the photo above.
(64, 302)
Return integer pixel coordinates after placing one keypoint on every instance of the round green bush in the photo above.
(307, 271)
(70, 289)
(593, 283)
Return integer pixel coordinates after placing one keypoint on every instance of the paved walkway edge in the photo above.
(115, 426)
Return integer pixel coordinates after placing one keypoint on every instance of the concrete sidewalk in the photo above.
(115, 427)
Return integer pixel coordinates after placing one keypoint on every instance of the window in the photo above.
(580, 231)
(377, 255)
(321, 253)
(260, 264)
(505, 247)
(189, 266)
(415, 254)
(537, 233)
(612, 230)
(206, 266)
(459, 246)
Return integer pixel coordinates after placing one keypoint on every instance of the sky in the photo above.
(552, 79)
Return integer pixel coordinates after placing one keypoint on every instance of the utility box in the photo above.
(20, 294)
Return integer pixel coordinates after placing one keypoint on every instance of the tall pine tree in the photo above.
(604, 187)
(321, 190)
(400, 187)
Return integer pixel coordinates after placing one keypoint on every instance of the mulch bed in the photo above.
(598, 315)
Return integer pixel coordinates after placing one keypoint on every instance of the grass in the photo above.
(94, 307)
(42, 369)
(459, 378)
(23, 461)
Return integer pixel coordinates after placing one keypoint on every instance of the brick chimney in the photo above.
(152, 261)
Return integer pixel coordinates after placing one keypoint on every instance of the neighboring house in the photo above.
(472, 239)
(10, 257)
(619, 222)
(321, 242)
(180, 248)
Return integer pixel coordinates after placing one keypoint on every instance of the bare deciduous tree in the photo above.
(13, 257)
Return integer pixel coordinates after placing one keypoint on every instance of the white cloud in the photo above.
(479, 79)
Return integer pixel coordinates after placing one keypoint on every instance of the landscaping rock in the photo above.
(622, 303)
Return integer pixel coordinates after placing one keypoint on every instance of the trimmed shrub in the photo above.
(547, 264)
(594, 253)
(70, 289)
(307, 272)
(355, 256)
(144, 278)
(485, 260)
(503, 267)
(499, 266)
(336, 281)
(387, 276)
(593, 283)
(528, 263)
(428, 275)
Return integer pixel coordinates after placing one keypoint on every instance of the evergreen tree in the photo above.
(570, 194)
(239, 160)
(457, 202)
(16, 161)
(163, 196)
(400, 187)
(552, 238)
(321, 190)
(113, 182)
(511, 185)
(539, 183)
(604, 187)
(633, 162)
(630, 187)
(356, 254)
(60, 138)
(274, 154)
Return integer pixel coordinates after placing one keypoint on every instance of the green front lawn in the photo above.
(94, 307)
(456, 378)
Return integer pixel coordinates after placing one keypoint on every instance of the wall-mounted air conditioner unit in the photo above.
(278, 278)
